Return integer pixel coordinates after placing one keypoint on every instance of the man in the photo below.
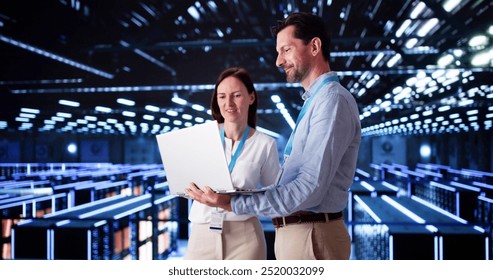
(320, 157)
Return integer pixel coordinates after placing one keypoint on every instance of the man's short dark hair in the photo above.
(307, 26)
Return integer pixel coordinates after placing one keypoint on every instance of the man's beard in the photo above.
(296, 76)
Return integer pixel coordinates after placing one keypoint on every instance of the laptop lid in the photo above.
(195, 154)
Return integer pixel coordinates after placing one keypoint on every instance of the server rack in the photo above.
(382, 233)
(459, 239)
(25, 208)
(454, 197)
(113, 228)
(35, 239)
(484, 217)
(366, 188)
(91, 190)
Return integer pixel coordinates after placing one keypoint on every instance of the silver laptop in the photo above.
(195, 154)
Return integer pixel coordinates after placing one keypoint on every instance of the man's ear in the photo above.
(316, 46)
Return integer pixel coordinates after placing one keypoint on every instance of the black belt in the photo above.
(305, 217)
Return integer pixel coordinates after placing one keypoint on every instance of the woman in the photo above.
(253, 160)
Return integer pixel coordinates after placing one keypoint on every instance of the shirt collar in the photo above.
(309, 92)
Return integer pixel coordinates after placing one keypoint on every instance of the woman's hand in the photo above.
(209, 197)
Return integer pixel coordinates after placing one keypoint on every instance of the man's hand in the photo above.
(209, 197)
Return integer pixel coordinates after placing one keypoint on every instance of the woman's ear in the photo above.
(252, 97)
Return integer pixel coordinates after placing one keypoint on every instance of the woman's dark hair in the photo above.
(242, 75)
(307, 26)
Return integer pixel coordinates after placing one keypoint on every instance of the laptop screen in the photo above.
(194, 154)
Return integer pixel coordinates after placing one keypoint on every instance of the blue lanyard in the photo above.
(238, 150)
(289, 145)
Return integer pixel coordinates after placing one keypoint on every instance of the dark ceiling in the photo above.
(94, 52)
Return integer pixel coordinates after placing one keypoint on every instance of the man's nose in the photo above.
(279, 61)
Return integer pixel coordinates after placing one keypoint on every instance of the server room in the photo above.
(87, 86)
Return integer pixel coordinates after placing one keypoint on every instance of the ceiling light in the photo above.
(198, 107)
(193, 12)
(212, 5)
(288, 118)
(411, 81)
(26, 126)
(445, 60)
(465, 102)
(172, 113)
(437, 73)
(124, 101)
(417, 10)
(22, 119)
(377, 59)
(449, 5)
(219, 33)
(403, 28)
(361, 92)
(405, 93)
(478, 41)
(64, 115)
(152, 108)
(26, 115)
(179, 100)
(103, 109)
(280, 106)
(134, 20)
(393, 61)
(275, 98)
(385, 104)
(443, 108)
(128, 114)
(29, 110)
(411, 43)
(458, 52)
(423, 82)
(427, 113)
(427, 27)
(484, 58)
(69, 103)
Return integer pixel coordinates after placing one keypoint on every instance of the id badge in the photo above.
(217, 220)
